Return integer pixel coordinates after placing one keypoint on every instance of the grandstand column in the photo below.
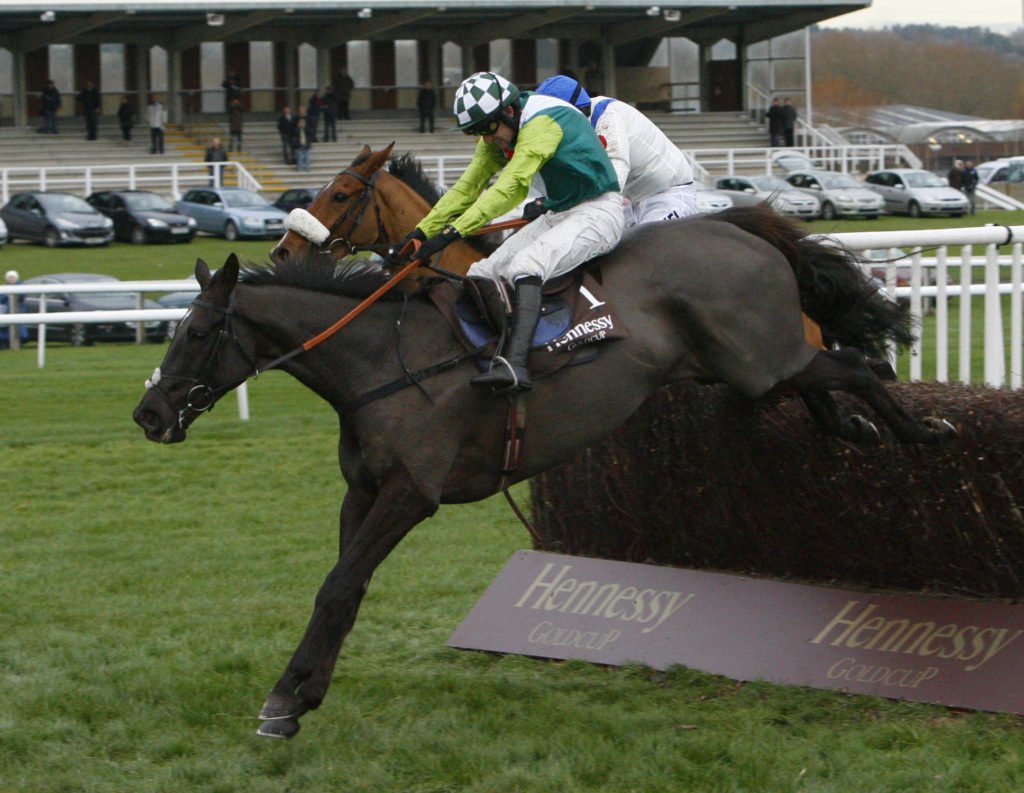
(19, 110)
(37, 72)
(382, 73)
(524, 62)
(608, 58)
(174, 86)
(286, 70)
(324, 74)
(143, 78)
(236, 63)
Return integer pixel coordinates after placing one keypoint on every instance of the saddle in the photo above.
(575, 319)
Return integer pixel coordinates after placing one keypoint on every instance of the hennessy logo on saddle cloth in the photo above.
(575, 315)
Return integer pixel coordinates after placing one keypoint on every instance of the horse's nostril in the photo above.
(279, 253)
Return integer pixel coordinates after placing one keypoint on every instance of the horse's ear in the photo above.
(378, 158)
(202, 273)
(229, 273)
(364, 152)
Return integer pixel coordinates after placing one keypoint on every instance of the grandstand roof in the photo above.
(28, 24)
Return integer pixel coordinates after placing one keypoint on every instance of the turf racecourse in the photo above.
(150, 597)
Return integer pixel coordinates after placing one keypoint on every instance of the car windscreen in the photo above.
(770, 184)
(58, 202)
(147, 201)
(243, 199)
(923, 179)
(837, 181)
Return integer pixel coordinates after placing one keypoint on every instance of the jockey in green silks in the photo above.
(523, 135)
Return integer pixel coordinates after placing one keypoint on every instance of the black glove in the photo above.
(437, 243)
(534, 209)
(394, 255)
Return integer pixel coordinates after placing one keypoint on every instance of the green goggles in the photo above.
(486, 127)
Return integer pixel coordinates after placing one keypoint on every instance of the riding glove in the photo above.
(534, 209)
(437, 243)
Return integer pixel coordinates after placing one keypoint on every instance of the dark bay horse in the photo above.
(688, 315)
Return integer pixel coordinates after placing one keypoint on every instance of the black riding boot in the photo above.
(509, 370)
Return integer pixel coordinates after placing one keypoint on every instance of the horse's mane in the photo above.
(410, 170)
(349, 277)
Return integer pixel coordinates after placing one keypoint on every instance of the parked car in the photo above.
(55, 219)
(232, 212)
(751, 190)
(993, 171)
(709, 199)
(78, 335)
(839, 193)
(296, 198)
(907, 191)
(141, 216)
(3, 233)
(787, 160)
(181, 299)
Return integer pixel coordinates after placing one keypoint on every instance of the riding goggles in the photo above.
(486, 127)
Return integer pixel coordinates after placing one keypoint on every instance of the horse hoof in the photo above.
(282, 706)
(940, 428)
(279, 728)
(864, 430)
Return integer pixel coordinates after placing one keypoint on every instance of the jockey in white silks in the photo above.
(653, 173)
(580, 216)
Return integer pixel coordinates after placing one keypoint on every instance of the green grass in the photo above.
(151, 596)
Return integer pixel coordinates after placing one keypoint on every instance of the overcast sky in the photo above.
(1003, 15)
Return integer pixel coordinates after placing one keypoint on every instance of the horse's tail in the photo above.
(834, 290)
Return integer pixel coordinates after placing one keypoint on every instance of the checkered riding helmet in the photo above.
(479, 100)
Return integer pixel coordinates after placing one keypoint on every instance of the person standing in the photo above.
(51, 104)
(235, 123)
(426, 102)
(216, 154)
(286, 131)
(232, 89)
(300, 144)
(776, 130)
(89, 99)
(312, 116)
(970, 183)
(126, 118)
(11, 278)
(955, 176)
(789, 122)
(156, 115)
(343, 86)
(330, 107)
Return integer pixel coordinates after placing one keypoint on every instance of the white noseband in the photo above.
(306, 226)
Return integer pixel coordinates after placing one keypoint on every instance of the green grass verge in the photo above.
(151, 596)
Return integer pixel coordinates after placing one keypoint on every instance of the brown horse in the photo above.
(366, 205)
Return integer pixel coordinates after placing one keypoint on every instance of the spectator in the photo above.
(343, 86)
(312, 117)
(300, 144)
(89, 99)
(232, 90)
(330, 106)
(216, 154)
(286, 130)
(156, 115)
(789, 122)
(955, 177)
(776, 131)
(235, 125)
(426, 102)
(126, 118)
(51, 104)
(970, 183)
(11, 278)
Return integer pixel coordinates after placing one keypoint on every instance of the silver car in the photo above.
(751, 190)
(907, 191)
(839, 193)
(709, 199)
(232, 213)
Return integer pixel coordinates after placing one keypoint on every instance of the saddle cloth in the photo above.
(575, 318)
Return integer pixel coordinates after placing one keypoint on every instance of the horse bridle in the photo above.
(201, 397)
(358, 210)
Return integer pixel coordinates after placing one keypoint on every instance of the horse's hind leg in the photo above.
(846, 370)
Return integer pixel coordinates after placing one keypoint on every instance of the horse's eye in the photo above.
(199, 335)
(340, 197)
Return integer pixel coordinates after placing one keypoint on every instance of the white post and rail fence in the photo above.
(924, 280)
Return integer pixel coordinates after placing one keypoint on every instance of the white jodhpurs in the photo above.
(557, 242)
(679, 201)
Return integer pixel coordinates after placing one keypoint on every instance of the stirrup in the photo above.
(503, 376)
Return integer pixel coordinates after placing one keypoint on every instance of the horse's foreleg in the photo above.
(846, 370)
(397, 507)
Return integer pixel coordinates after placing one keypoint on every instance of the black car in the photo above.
(296, 198)
(141, 216)
(55, 219)
(86, 333)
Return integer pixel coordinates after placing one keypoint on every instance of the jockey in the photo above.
(580, 216)
(655, 176)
